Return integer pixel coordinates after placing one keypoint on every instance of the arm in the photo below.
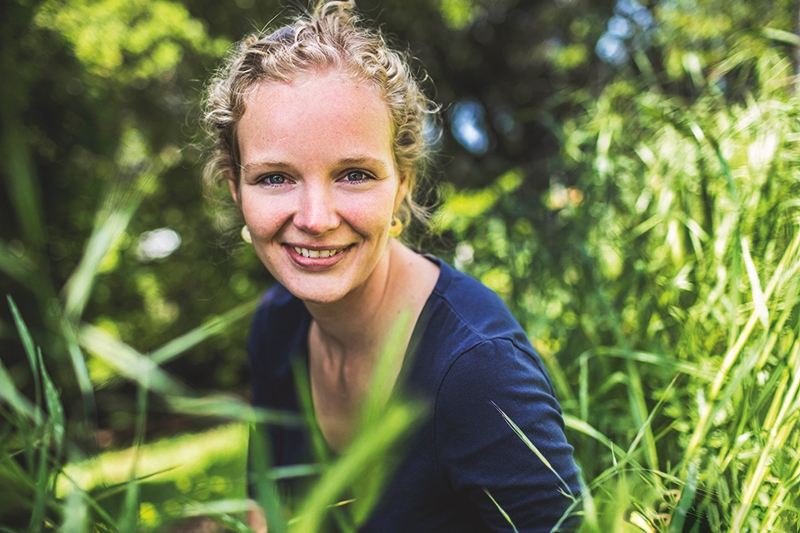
(477, 450)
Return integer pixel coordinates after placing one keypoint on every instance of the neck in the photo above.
(357, 325)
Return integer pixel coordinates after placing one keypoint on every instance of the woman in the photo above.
(318, 131)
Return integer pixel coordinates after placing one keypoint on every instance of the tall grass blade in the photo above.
(755, 285)
(211, 328)
(502, 511)
(379, 395)
(576, 424)
(368, 448)
(19, 403)
(80, 369)
(130, 509)
(56, 420)
(264, 486)
(535, 450)
(21, 178)
(107, 231)
(17, 268)
(685, 502)
(230, 408)
(129, 362)
(30, 349)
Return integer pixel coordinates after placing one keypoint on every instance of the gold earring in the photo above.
(246, 237)
(396, 227)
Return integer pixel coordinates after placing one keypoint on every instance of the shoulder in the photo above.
(466, 317)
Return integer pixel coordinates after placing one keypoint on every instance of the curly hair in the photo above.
(333, 36)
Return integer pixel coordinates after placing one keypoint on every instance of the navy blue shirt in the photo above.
(472, 358)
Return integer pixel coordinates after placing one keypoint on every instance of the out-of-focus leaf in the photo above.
(229, 408)
(21, 181)
(532, 447)
(10, 394)
(129, 362)
(30, 349)
(55, 410)
(755, 285)
(685, 502)
(368, 449)
(18, 267)
(215, 326)
(106, 233)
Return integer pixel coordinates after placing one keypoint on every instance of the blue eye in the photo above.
(356, 176)
(272, 179)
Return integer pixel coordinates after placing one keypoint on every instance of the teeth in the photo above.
(316, 253)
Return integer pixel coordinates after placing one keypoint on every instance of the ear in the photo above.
(233, 185)
(402, 192)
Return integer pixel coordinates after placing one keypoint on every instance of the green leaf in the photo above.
(755, 285)
(30, 349)
(54, 409)
(129, 362)
(122, 202)
(502, 511)
(685, 502)
(211, 328)
(532, 447)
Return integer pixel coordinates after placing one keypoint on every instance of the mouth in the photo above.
(317, 254)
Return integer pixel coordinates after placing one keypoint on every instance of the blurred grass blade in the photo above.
(534, 449)
(21, 178)
(10, 394)
(215, 326)
(264, 486)
(122, 204)
(129, 514)
(128, 362)
(580, 426)
(501, 510)
(75, 512)
(17, 267)
(685, 502)
(755, 285)
(386, 384)
(55, 410)
(368, 449)
(654, 359)
(81, 371)
(230, 408)
(30, 349)
(216, 507)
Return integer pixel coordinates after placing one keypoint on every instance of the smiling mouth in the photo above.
(315, 254)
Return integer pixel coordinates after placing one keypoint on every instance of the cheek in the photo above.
(369, 214)
(261, 216)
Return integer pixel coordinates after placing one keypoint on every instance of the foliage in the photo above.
(667, 254)
(641, 222)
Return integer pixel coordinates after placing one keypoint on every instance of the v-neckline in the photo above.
(408, 357)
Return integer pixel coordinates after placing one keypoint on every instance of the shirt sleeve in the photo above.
(478, 451)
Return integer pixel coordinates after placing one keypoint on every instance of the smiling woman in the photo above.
(318, 134)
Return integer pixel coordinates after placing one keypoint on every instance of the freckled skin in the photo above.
(306, 136)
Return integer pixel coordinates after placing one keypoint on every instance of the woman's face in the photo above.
(318, 185)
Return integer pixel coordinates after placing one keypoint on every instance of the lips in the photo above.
(314, 254)
(316, 258)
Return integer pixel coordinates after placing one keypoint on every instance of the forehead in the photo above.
(321, 114)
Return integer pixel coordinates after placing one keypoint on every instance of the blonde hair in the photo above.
(332, 36)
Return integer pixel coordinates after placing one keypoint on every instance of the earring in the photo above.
(396, 227)
(246, 235)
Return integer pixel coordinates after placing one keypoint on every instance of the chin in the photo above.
(320, 293)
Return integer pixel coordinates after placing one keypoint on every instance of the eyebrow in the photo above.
(344, 162)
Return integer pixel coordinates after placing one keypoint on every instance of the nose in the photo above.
(316, 211)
